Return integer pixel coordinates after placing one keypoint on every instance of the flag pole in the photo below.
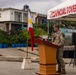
(27, 44)
(26, 64)
(27, 38)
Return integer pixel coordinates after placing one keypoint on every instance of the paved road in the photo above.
(14, 68)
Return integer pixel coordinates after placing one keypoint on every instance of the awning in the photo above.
(64, 11)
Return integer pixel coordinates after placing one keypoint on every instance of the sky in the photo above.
(39, 6)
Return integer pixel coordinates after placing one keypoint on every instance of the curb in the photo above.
(31, 52)
(15, 59)
(10, 58)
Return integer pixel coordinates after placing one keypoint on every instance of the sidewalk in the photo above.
(35, 52)
(17, 54)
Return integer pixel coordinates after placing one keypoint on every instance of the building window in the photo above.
(11, 13)
(0, 14)
(19, 16)
(31, 16)
(44, 21)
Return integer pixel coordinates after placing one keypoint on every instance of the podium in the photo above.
(47, 57)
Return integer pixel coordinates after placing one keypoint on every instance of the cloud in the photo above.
(40, 6)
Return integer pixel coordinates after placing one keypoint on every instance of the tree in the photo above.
(3, 37)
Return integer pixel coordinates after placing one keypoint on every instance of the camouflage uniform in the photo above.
(58, 39)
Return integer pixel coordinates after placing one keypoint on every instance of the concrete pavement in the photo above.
(17, 54)
(14, 68)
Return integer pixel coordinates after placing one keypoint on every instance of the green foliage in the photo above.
(39, 31)
(43, 26)
(21, 35)
(3, 37)
(68, 24)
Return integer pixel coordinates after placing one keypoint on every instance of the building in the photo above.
(13, 19)
(41, 18)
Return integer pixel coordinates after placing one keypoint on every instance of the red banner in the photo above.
(63, 11)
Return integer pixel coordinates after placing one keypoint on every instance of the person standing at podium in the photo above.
(58, 38)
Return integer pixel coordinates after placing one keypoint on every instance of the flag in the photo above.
(30, 29)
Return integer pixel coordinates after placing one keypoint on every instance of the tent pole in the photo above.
(48, 22)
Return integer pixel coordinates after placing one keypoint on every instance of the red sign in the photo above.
(63, 11)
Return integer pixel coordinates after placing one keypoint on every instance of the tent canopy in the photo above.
(64, 11)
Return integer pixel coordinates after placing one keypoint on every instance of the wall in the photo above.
(25, 16)
(5, 15)
(3, 26)
(12, 15)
